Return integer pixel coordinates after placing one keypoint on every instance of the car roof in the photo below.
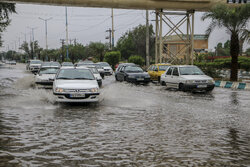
(160, 64)
(183, 66)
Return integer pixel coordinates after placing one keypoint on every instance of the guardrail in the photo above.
(233, 85)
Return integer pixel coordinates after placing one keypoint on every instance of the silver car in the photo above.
(76, 84)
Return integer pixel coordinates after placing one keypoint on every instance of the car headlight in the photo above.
(59, 90)
(94, 90)
(211, 81)
(131, 76)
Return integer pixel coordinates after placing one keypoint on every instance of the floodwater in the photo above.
(130, 126)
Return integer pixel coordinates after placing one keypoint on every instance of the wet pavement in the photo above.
(131, 126)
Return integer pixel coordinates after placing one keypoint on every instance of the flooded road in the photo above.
(131, 126)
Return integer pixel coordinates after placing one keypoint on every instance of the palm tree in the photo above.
(235, 20)
(5, 10)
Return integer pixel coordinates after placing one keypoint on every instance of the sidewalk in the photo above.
(233, 85)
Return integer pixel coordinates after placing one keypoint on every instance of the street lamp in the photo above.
(46, 31)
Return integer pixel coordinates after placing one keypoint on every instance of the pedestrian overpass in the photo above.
(164, 10)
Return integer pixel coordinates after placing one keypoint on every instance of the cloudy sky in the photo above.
(85, 25)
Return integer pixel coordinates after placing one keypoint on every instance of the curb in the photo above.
(233, 85)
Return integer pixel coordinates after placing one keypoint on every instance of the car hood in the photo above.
(138, 74)
(196, 77)
(76, 84)
(45, 76)
(107, 68)
(35, 65)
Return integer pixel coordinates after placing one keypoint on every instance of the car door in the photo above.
(154, 72)
(168, 77)
(120, 75)
(175, 77)
(150, 72)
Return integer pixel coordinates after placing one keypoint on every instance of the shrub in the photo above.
(136, 59)
(112, 58)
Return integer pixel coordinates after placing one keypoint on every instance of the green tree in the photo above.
(5, 10)
(112, 58)
(76, 52)
(96, 50)
(133, 42)
(137, 60)
(234, 19)
(28, 49)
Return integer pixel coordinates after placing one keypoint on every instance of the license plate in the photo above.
(201, 86)
(140, 79)
(77, 95)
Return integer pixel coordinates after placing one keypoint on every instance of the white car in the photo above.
(107, 69)
(94, 71)
(34, 65)
(45, 77)
(187, 77)
(75, 85)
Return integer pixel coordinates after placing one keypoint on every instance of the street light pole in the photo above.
(67, 34)
(33, 39)
(46, 31)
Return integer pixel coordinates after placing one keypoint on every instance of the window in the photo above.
(150, 68)
(170, 71)
(175, 72)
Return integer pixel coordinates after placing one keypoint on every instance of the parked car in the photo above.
(33, 65)
(67, 64)
(95, 72)
(76, 84)
(45, 77)
(187, 78)
(107, 68)
(132, 73)
(13, 62)
(100, 69)
(156, 70)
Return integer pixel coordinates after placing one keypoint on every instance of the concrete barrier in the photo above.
(233, 85)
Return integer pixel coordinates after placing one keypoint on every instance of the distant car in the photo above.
(75, 85)
(67, 64)
(187, 78)
(132, 74)
(100, 69)
(13, 62)
(156, 70)
(95, 72)
(33, 65)
(51, 64)
(107, 68)
(46, 76)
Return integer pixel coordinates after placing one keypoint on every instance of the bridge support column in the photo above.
(175, 46)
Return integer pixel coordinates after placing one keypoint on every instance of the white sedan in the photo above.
(75, 85)
(187, 77)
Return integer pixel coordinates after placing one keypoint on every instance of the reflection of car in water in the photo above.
(132, 74)
(75, 85)
(94, 71)
(107, 68)
(156, 70)
(46, 76)
(34, 65)
(187, 77)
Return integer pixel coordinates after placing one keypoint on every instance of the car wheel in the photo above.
(116, 78)
(125, 79)
(181, 87)
(159, 79)
(163, 83)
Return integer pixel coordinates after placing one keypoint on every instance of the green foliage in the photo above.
(5, 10)
(76, 52)
(96, 50)
(133, 42)
(112, 58)
(137, 60)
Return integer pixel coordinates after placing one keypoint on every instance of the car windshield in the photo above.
(93, 69)
(105, 64)
(48, 70)
(98, 66)
(131, 69)
(163, 67)
(51, 64)
(190, 71)
(75, 74)
(67, 64)
(35, 62)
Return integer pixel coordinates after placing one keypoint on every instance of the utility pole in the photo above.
(46, 31)
(33, 40)
(24, 36)
(62, 41)
(67, 33)
(113, 38)
(147, 40)
(109, 37)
